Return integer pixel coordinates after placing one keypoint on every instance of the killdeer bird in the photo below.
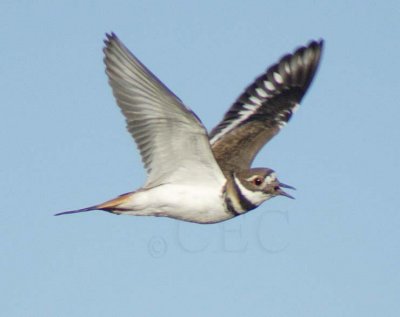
(192, 175)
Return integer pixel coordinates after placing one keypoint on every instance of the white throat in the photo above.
(254, 197)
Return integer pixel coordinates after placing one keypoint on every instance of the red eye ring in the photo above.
(258, 181)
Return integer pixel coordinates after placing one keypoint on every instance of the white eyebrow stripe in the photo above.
(251, 178)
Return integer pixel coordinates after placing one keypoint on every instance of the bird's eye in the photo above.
(258, 181)
(276, 188)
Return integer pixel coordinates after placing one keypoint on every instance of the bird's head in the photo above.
(259, 184)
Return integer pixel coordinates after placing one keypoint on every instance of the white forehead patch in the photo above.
(270, 178)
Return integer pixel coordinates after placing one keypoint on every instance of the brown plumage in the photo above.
(264, 107)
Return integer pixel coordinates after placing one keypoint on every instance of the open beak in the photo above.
(282, 192)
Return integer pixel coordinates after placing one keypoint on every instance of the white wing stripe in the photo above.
(270, 86)
(243, 115)
(262, 93)
(278, 78)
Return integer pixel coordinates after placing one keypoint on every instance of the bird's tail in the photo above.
(113, 206)
(76, 211)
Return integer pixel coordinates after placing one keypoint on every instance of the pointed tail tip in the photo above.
(76, 211)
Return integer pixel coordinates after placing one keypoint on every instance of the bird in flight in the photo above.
(193, 175)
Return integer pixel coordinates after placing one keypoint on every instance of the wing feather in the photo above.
(172, 141)
(264, 108)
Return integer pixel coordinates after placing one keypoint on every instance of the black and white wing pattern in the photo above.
(172, 141)
(264, 108)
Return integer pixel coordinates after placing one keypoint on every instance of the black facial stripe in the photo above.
(244, 203)
(230, 207)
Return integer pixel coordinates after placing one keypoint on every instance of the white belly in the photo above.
(196, 203)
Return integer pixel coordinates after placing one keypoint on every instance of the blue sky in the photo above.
(334, 251)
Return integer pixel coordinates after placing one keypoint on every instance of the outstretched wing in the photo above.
(264, 108)
(172, 141)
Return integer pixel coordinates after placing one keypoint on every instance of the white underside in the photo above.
(195, 203)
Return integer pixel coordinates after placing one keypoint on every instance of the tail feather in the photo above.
(109, 206)
(76, 211)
